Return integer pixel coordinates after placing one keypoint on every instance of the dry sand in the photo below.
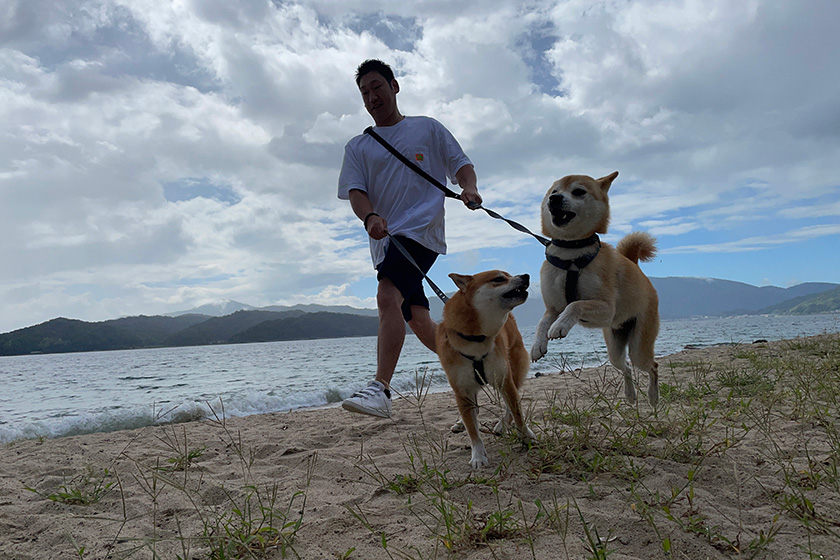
(693, 479)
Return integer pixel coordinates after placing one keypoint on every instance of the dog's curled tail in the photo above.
(638, 246)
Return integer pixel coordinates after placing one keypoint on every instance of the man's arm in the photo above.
(469, 184)
(376, 226)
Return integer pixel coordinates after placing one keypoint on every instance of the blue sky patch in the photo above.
(192, 187)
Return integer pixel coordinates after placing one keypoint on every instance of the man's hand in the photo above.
(469, 185)
(471, 198)
(377, 227)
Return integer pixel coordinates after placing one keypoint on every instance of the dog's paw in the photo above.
(527, 436)
(457, 427)
(560, 328)
(479, 460)
(539, 349)
(499, 428)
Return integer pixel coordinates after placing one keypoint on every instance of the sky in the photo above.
(156, 156)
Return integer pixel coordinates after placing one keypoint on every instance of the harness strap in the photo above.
(477, 363)
(478, 368)
(573, 267)
(577, 243)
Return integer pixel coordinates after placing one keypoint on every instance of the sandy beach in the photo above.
(741, 459)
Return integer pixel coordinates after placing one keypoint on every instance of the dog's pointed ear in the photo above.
(461, 280)
(607, 181)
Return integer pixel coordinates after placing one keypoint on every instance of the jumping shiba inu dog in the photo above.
(478, 343)
(588, 282)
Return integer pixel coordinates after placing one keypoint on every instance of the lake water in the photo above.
(57, 395)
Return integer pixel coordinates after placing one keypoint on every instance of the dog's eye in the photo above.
(578, 192)
(499, 279)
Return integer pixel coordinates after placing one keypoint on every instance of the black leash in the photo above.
(408, 256)
(477, 363)
(449, 192)
(572, 267)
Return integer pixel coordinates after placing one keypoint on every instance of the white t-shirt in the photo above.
(412, 206)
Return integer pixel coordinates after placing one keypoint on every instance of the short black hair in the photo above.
(374, 65)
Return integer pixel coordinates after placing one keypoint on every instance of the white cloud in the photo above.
(759, 243)
(721, 118)
(815, 211)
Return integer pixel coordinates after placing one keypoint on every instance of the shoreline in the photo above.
(360, 481)
(47, 413)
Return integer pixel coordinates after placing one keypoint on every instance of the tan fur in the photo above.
(613, 292)
(480, 308)
(637, 246)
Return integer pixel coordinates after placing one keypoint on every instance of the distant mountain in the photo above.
(822, 302)
(698, 297)
(217, 330)
(218, 309)
(316, 308)
(687, 297)
(69, 335)
(309, 326)
(226, 307)
(155, 330)
(678, 297)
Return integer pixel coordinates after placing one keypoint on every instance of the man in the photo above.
(392, 199)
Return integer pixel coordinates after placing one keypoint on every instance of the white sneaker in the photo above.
(375, 400)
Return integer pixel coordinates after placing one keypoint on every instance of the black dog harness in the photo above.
(573, 267)
(478, 363)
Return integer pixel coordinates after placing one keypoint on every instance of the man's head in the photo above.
(379, 91)
(374, 65)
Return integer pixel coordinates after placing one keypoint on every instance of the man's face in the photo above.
(380, 97)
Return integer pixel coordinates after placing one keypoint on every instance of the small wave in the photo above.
(333, 396)
(77, 425)
(111, 419)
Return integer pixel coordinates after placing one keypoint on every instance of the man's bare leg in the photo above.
(391, 334)
(423, 326)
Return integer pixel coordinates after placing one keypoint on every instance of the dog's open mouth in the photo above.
(517, 293)
(562, 217)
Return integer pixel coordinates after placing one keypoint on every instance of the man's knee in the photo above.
(420, 318)
(388, 296)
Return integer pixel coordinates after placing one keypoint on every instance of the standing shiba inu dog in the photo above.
(478, 343)
(588, 282)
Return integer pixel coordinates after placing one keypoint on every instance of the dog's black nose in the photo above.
(527, 279)
(556, 201)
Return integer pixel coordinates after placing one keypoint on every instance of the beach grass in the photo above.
(740, 459)
(710, 410)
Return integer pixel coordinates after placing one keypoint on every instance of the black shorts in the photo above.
(404, 275)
